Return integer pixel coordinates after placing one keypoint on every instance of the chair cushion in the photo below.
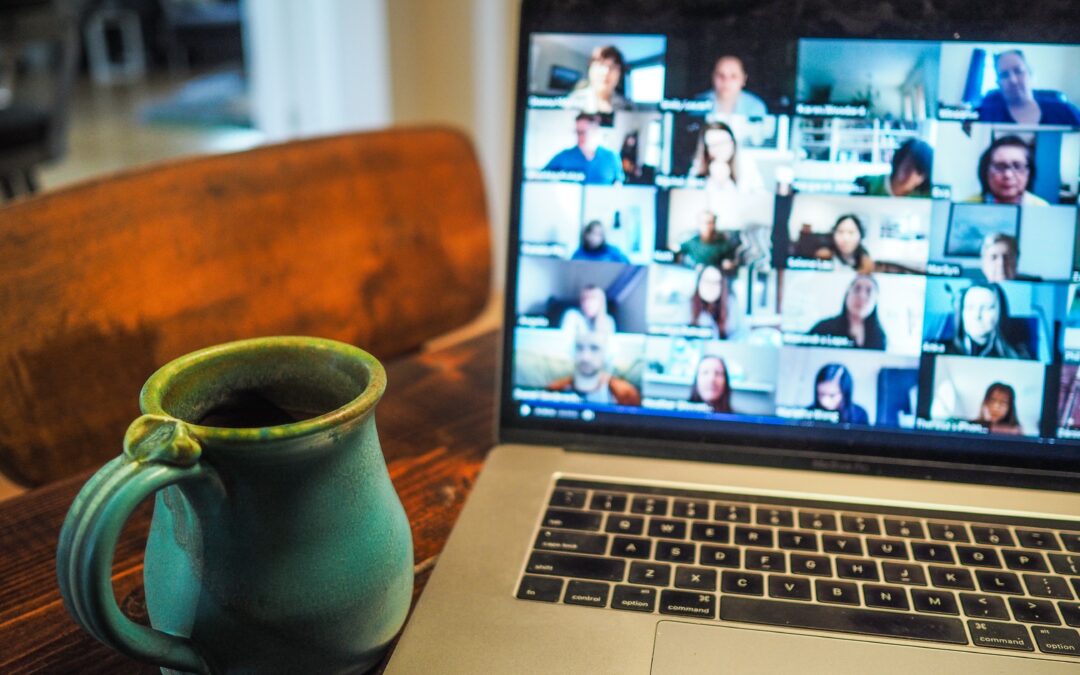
(21, 126)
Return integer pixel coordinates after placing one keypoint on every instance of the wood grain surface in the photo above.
(436, 423)
(376, 239)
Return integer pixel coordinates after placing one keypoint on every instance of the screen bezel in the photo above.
(904, 453)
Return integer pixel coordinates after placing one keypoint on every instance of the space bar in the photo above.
(843, 619)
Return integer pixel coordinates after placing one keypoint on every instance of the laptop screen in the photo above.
(852, 235)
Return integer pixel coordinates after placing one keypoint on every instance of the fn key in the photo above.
(544, 589)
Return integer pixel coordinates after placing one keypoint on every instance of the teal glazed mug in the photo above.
(278, 543)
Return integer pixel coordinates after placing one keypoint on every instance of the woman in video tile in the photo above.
(592, 316)
(711, 384)
(1015, 101)
(718, 162)
(1006, 170)
(911, 175)
(594, 246)
(598, 91)
(981, 313)
(846, 245)
(833, 388)
(998, 410)
(858, 318)
(709, 304)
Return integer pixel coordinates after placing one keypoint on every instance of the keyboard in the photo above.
(994, 582)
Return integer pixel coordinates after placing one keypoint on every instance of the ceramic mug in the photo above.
(278, 543)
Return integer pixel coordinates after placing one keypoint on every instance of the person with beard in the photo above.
(591, 379)
(594, 246)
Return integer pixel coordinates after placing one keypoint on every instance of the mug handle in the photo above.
(159, 451)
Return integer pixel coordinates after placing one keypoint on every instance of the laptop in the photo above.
(790, 370)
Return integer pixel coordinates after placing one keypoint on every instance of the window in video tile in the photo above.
(968, 397)
(576, 296)
(1012, 83)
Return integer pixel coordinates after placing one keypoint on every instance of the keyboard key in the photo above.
(634, 598)
(1076, 586)
(1065, 563)
(667, 529)
(1047, 587)
(625, 524)
(910, 529)
(765, 561)
(1038, 539)
(798, 541)
(837, 592)
(995, 536)
(742, 583)
(1034, 611)
(695, 578)
(776, 517)
(650, 506)
(892, 597)
(903, 573)
(544, 589)
(675, 551)
(1027, 561)
(984, 606)
(856, 568)
(1071, 541)
(753, 536)
(603, 501)
(861, 524)
(719, 556)
(949, 532)
(652, 574)
(934, 602)
(631, 547)
(581, 566)
(816, 565)
(685, 603)
(844, 619)
(887, 548)
(690, 509)
(1057, 640)
(938, 553)
(590, 593)
(717, 534)
(999, 635)
(572, 520)
(789, 588)
(568, 499)
(999, 582)
(951, 577)
(838, 543)
(1070, 611)
(571, 542)
(732, 513)
(816, 520)
(975, 556)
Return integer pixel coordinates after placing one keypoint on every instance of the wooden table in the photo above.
(436, 423)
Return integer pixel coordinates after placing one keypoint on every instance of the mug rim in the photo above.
(153, 392)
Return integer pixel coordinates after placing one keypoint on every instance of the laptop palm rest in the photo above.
(687, 648)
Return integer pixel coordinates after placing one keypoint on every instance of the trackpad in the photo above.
(686, 648)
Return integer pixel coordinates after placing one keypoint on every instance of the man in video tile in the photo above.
(1015, 101)
(590, 379)
(728, 93)
(600, 165)
(708, 246)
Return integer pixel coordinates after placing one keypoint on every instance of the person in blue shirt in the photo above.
(600, 165)
(729, 95)
(594, 246)
(1017, 102)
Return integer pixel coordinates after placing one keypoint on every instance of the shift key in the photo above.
(580, 566)
(572, 520)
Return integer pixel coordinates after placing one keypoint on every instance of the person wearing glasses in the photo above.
(1006, 171)
(1015, 101)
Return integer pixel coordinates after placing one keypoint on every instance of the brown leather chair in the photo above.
(377, 239)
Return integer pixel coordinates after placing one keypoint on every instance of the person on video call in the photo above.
(833, 392)
(725, 171)
(708, 246)
(591, 314)
(712, 385)
(980, 315)
(711, 303)
(998, 410)
(858, 318)
(590, 379)
(728, 94)
(911, 175)
(845, 247)
(600, 165)
(594, 246)
(998, 257)
(598, 91)
(1006, 171)
(1017, 102)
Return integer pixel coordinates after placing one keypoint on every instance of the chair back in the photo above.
(376, 239)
